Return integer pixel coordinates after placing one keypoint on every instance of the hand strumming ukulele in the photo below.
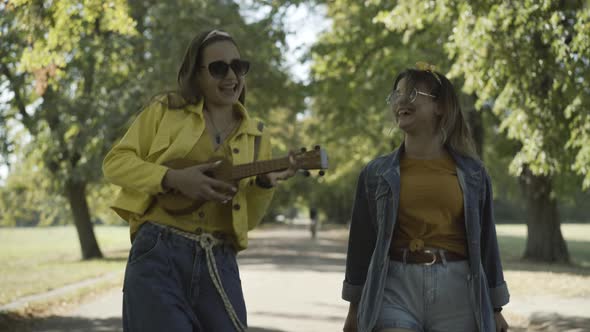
(176, 203)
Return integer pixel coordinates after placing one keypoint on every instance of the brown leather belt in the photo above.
(427, 256)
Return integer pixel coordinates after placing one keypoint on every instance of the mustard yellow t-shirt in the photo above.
(430, 211)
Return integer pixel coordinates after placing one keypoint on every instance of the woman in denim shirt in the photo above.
(423, 253)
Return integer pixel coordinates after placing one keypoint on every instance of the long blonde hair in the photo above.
(187, 91)
(452, 126)
(191, 62)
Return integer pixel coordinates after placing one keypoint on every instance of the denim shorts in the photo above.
(427, 298)
(167, 285)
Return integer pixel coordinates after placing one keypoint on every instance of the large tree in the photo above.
(64, 66)
(525, 62)
(354, 64)
(74, 73)
(529, 61)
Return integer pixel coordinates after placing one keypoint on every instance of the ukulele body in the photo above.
(175, 203)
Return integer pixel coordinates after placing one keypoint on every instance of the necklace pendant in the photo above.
(217, 139)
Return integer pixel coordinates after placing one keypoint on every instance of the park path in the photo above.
(292, 283)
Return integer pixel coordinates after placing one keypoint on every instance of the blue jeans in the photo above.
(167, 285)
(427, 298)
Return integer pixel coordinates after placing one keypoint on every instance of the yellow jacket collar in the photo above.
(249, 125)
(196, 108)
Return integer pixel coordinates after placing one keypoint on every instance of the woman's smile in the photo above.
(229, 89)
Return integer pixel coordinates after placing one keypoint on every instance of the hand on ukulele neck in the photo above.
(273, 178)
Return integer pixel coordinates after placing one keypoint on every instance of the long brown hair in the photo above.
(188, 89)
(452, 126)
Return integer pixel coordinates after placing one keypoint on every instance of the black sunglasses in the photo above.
(219, 69)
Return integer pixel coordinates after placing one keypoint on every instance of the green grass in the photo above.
(525, 278)
(35, 260)
(511, 239)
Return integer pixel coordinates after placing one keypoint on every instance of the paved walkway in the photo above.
(293, 284)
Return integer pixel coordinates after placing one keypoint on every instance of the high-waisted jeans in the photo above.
(168, 286)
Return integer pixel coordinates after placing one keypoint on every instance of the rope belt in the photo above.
(207, 241)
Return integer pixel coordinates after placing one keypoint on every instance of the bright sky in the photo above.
(303, 24)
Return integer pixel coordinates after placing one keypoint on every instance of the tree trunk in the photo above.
(76, 194)
(544, 241)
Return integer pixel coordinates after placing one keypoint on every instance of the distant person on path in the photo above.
(182, 273)
(313, 222)
(423, 253)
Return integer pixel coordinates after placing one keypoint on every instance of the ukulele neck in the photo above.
(259, 167)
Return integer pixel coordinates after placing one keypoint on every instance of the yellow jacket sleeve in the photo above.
(259, 198)
(128, 164)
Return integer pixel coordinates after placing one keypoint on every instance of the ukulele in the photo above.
(175, 203)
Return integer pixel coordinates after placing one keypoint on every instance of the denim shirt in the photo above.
(373, 220)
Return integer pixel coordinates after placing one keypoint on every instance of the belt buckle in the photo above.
(433, 253)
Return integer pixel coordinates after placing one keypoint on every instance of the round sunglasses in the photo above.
(219, 69)
(395, 96)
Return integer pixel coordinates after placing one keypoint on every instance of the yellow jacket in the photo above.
(160, 134)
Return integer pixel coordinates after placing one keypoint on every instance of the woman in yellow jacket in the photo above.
(182, 273)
